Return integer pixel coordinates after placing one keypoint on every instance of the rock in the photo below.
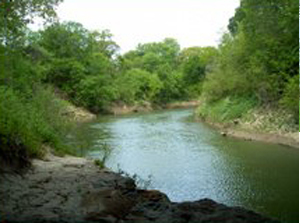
(224, 134)
(73, 190)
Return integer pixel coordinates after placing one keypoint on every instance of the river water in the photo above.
(189, 160)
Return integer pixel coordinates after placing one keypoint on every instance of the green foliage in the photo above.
(65, 40)
(227, 109)
(256, 64)
(195, 61)
(99, 163)
(181, 73)
(81, 64)
(96, 92)
(15, 15)
(65, 74)
(258, 57)
(290, 100)
(31, 122)
(105, 153)
(138, 85)
(172, 88)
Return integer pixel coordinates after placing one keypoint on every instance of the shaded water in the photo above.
(188, 160)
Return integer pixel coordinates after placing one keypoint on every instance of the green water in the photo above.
(188, 161)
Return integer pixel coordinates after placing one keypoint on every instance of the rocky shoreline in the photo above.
(72, 189)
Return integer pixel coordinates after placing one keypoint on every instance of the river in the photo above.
(189, 160)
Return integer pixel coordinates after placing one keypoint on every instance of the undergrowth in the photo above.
(29, 121)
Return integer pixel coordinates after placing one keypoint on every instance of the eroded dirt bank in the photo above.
(122, 109)
(261, 127)
(73, 189)
(290, 139)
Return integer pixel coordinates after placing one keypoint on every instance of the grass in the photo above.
(105, 149)
(250, 114)
(227, 109)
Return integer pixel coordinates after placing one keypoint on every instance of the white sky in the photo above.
(191, 22)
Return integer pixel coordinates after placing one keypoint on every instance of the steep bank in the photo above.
(73, 189)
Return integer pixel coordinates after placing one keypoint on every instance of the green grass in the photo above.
(250, 113)
(227, 109)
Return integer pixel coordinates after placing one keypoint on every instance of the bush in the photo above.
(290, 99)
(96, 92)
(30, 123)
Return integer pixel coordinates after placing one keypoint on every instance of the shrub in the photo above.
(290, 99)
(30, 123)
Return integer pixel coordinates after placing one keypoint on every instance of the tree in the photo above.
(138, 85)
(16, 15)
(260, 55)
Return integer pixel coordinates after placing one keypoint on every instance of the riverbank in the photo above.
(258, 125)
(290, 139)
(77, 114)
(72, 189)
(123, 109)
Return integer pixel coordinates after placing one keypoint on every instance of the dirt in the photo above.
(122, 109)
(183, 104)
(78, 114)
(241, 131)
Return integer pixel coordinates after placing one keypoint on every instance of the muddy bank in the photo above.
(73, 189)
(288, 139)
(241, 131)
(122, 109)
(183, 104)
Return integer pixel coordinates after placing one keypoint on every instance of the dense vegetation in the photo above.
(87, 67)
(29, 110)
(255, 65)
(257, 62)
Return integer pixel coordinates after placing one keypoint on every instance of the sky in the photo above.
(191, 22)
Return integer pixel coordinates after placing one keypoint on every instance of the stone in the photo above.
(73, 190)
(224, 134)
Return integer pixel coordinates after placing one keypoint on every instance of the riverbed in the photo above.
(188, 160)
